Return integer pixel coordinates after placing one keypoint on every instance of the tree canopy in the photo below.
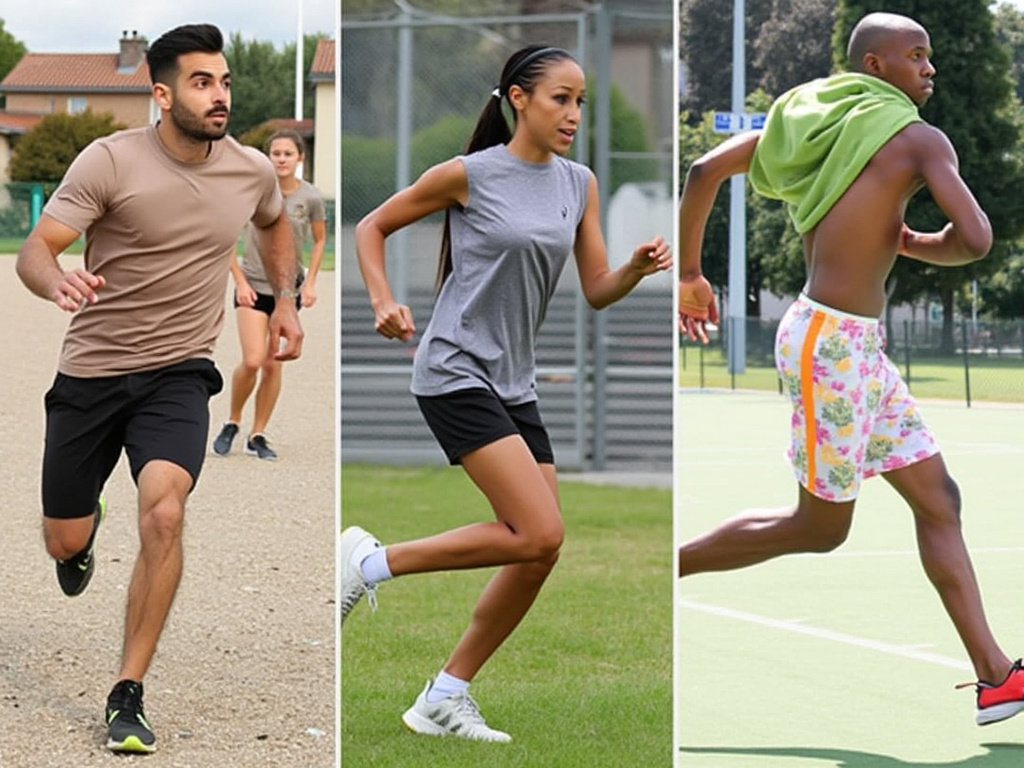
(44, 153)
(263, 80)
(11, 51)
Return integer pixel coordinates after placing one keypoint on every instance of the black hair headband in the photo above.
(527, 61)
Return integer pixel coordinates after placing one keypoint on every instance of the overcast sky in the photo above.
(95, 26)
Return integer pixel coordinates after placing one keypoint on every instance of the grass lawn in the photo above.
(586, 680)
(995, 379)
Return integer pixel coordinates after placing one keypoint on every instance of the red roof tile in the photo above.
(18, 122)
(74, 72)
(323, 61)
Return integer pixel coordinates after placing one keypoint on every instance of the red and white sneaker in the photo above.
(999, 702)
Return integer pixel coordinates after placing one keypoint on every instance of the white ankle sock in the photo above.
(445, 685)
(375, 566)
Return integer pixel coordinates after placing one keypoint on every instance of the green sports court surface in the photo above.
(845, 659)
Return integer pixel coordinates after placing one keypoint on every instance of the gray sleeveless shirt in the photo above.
(509, 245)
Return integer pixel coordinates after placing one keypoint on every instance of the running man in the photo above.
(854, 417)
(162, 208)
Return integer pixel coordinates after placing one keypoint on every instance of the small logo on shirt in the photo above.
(565, 211)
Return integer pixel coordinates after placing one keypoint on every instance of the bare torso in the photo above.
(852, 249)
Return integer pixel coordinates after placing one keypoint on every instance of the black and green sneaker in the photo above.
(74, 574)
(129, 731)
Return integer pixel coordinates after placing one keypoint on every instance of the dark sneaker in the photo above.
(75, 573)
(999, 702)
(257, 445)
(222, 445)
(129, 731)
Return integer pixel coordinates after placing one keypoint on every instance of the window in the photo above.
(77, 105)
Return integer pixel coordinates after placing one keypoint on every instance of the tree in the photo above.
(263, 80)
(973, 105)
(1009, 28)
(12, 51)
(705, 47)
(794, 44)
(44, 153)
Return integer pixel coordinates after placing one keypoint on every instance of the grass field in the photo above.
(584, 682)
(844, 660)
(992, 379)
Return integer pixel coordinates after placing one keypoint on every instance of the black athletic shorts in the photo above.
(468, 419)
(160, 414)
(265, 302)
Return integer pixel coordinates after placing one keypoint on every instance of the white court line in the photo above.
(903, 651)
(907, 552)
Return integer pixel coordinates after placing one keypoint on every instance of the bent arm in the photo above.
(277, 250)
(316, 255)
(39, 270)
(601, 285)
(440, 187)
(968, 236)
(703, 180)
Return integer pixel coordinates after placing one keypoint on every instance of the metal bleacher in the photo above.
(632, 400)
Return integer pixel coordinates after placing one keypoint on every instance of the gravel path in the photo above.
(245, 673)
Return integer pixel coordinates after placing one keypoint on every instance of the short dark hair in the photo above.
(286, 133)
(162, 55)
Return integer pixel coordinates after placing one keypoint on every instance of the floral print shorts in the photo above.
(853, 416)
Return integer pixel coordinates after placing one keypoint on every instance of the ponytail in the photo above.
(523, 69)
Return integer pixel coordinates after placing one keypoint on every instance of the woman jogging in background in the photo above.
(515, 209)
(254, 301)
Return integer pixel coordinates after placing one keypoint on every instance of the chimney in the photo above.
(133, 51)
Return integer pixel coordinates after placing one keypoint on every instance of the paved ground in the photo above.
(245, 674)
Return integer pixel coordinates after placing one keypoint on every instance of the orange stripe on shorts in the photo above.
(807, 393)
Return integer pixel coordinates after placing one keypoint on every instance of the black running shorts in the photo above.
(265, 302)
(160, 414)
(468, 419)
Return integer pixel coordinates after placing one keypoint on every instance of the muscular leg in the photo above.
(266, 394)
(935, 500)
(508, 596)
(252, 334)
(813, 525)
(163, 488)
(528, 527)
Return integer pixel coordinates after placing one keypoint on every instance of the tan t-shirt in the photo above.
(160, 232)
(303, 206)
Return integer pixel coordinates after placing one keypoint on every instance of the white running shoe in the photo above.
(457, 715)
(355, 545)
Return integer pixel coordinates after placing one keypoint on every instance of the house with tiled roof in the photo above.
(47, 83)
(325, 161)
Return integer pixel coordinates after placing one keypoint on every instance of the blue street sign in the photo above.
(733, 122)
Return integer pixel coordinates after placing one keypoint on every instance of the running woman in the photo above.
(515, 209)
(254, 298)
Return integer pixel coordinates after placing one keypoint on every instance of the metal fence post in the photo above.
(602, 169)
(967, 365)
(906, 349)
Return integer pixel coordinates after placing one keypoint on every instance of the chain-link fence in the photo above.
(987, 363)
(413, 85)
(20, 206)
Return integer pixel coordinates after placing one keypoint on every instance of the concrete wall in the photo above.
(325, 163)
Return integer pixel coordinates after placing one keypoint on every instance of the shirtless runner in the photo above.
(852, 410)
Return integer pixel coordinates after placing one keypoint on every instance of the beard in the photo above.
(191, 124)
